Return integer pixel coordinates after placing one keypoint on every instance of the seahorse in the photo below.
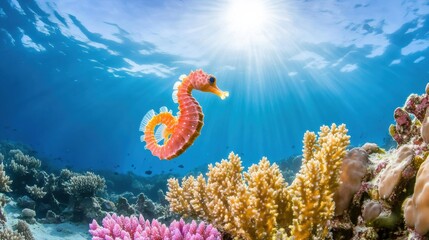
(175, 134)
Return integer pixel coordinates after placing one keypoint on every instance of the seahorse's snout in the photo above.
(214, 89)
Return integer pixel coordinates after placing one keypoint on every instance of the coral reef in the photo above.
(28, 215)
(120, 227)
(86, 185)
(353, 169)
(24, 230)
(361, 193)
(409, 119)
(3, 201)
(26, 202)
(253, 204)
(35, 191)
(416, 207)
(24, 170)
(313, 189)
(22, 164)
(371, 210)
(390, 202)
(59, 197)
(7, 234)
(123, 207)
(4, 179)
(245, 205)
(391, 175)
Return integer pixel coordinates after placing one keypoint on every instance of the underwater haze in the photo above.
(320, 109)
(77, 77)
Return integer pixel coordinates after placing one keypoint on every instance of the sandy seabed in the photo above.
(66, 230)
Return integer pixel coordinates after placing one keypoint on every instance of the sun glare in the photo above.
(248, 22)
(246, 17)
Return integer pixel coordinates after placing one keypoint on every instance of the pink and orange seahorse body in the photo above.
(168, 136)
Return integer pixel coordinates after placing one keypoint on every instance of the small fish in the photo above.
(293, 146)
(132, 165)
(181, 166)
(128, 154)
(170, 170)
(148, 172)
(116, 173)
(117, 165)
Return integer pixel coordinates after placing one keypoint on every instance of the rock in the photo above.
(90, 209)
(123, 207)
(371, 148)
(26, 202)
(107, 205)
(51, 217)
(28, 215)
(371, 211)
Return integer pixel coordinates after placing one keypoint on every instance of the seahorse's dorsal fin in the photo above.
(176, 85)
(149, 115)
(176, 89)
(174, 96)
(164, 109)
(183, 76)
(159, 133)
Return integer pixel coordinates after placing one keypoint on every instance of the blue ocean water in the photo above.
(77, 78)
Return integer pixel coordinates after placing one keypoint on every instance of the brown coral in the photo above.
(416, 208)
(353, 170)
(7, 234)
(390, 177)
(23, 228)
(86, 185)
(22, 164)
(35, 191)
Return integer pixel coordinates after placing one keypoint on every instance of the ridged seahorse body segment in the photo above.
(178, 133)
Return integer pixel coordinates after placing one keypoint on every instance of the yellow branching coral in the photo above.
(247, 205)
(313, 188)
(310, 141)
(257, 204)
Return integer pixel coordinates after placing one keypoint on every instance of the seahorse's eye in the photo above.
(212, 79)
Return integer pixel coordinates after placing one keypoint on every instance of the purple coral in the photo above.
(133, 228)
(403, 126)
(417, 105)
(405, 129)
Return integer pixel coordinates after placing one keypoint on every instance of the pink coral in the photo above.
(133, 228)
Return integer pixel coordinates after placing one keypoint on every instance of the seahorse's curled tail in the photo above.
(157, 130)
